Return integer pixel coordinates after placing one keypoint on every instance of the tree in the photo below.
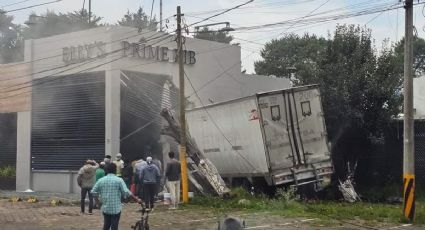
(217, 36)
(282, 55)
(360, 88)
(418, 55)
(11, 40)
(138, 20)
(50, 23)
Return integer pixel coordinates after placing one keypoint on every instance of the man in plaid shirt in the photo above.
(111, 189)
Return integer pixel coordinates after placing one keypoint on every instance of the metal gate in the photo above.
(68, 121)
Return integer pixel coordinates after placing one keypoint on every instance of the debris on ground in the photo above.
(32, 200)
(347, 186)
(203, 174)
(15, 199)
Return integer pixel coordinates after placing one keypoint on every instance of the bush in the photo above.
(8, 171)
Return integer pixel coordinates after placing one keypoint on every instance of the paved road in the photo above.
(42, 215)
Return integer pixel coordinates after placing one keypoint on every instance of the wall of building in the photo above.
(419, 97)
(216, 76)
(15, 88)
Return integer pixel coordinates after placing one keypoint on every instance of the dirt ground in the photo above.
(42, 215)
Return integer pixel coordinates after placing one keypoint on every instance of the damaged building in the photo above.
(82, 95)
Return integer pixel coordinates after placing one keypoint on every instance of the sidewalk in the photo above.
(42, 196)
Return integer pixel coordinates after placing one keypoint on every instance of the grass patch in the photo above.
(7, 171)
(289, 206)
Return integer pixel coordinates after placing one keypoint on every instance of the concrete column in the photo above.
(112, 112)
(23, 157)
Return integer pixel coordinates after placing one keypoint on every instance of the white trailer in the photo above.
(279, 136)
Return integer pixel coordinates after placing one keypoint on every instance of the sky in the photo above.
(388, 25)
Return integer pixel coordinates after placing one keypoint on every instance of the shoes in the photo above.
(90, 213)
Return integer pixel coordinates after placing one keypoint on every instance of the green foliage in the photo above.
(50, 23)
(139, 20)
(8, 171)
(287, 195)
(418, 55)
(11, 40)
(329, 211)
(217, 36)
(304, 53)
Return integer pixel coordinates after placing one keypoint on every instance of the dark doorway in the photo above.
(8, 138)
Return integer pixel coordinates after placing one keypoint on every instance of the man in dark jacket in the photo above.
(172, 175)
(150, 178)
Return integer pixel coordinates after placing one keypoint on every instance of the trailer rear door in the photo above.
(277, 130)
(310, 130)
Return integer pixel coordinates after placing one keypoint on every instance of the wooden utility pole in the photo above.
(160, 15)
(185, 184)
(409, 146)
(89, 11)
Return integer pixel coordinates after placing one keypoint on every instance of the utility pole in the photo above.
(160, 15)
(409, 145)
(185, 185)
(89, 11)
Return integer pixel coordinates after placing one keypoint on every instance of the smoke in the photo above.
(142, 99)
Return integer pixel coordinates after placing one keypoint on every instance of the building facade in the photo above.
(82, 95)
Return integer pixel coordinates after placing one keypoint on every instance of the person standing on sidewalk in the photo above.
(87, 178)
(111, 189)
(127, 173)
(138, 168)
(100, 172)
(120, 164)
(150, 178)
(172, 175)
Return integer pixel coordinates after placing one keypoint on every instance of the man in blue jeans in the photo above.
(111, 188)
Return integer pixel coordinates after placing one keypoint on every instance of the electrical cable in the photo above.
(136, 65)
(60, 77)
(12, 4)
(151, 38)
(209, 82)
(32, 6)
(61, 41)
(216, 125)
(225, 11)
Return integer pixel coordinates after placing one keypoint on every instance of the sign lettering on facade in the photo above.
(158, 53)
(81, 53)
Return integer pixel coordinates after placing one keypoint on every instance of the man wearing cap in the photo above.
(87, 175)
(150, 178)
(119, 163)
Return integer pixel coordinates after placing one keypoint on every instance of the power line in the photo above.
(215, 124)
(12, 4)
(209, 82)
(150, 38)
(51, 75)
(32, 6)
(59, 77)
(215, 15)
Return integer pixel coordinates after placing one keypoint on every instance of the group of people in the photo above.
(109, 182)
